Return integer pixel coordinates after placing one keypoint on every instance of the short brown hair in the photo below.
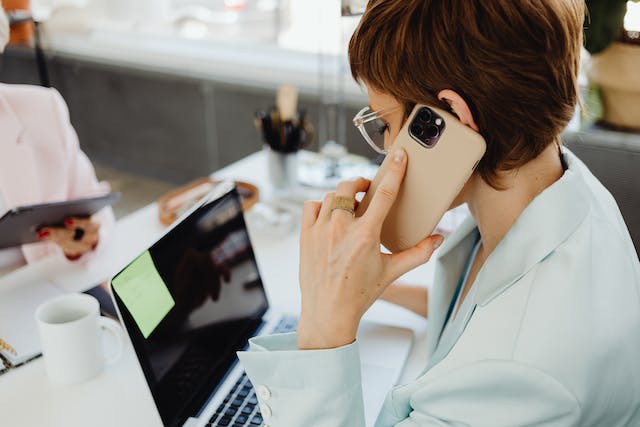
(514, 61)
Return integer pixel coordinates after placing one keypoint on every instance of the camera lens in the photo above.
(424, 115)
(431, 131)
(417, 129)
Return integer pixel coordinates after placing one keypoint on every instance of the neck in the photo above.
(495, 211)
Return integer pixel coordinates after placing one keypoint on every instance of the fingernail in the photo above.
(438, 242)
(42, 234)
(68, 222)
(398, 155)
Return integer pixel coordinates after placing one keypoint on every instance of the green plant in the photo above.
(604, 24)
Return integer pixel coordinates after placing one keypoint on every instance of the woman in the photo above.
(535, 309)
(41, 161)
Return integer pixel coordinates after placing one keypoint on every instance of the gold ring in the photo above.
(345, 203)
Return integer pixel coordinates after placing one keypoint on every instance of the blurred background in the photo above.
(167, 89)
(162, 92)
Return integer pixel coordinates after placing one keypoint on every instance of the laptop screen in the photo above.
(189, 303)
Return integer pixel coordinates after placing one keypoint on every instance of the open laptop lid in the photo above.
(190, 302)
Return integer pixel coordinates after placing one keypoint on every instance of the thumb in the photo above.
(407, 260)
(386, 193)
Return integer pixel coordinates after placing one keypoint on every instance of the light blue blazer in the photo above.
(549, 335)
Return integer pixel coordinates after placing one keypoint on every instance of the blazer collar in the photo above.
(543, 226)
(459, 236)
(450, 263)
(547, 222)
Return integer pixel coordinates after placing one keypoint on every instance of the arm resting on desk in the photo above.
(413, 298)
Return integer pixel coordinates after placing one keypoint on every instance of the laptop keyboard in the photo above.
(240, 407)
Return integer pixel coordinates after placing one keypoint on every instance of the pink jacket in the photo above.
(41, 160)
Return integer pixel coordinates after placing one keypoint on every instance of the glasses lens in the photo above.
(376, 129)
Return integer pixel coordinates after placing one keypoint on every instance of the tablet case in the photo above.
(20, 225)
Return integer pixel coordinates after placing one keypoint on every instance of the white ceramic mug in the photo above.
(69, 327)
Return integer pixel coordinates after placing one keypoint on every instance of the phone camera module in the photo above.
(426, 127)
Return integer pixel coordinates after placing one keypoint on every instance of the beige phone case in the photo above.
(433, 179)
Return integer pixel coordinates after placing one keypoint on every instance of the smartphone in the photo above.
(442, 153)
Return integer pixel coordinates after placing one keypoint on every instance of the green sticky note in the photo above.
(144, 293)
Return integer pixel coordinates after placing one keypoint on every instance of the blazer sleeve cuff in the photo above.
(305, 387)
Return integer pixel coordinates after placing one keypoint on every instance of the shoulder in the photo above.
(580, 303)
(574, 314)
(41, 111)
(600, 249)
(22, 97)
(604, 209)
(34, 103)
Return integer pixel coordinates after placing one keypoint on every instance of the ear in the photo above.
(459, 107)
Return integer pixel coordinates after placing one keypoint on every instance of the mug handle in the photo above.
(115, 328)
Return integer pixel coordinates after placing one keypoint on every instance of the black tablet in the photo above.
(20, 225)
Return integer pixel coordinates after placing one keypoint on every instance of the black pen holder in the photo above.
(284, 136)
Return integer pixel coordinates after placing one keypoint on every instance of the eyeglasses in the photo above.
(372, 128)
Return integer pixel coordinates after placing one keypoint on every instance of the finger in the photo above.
(387, 191)
(82, 246)
(310, 211)
(411, 258)
(63, 238)
(350, 189)
(90, 240)
(44, 233)
(55, 234)
(85, 223)
(325, 210)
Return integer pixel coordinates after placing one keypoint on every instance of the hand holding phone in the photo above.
(442, 153)
(342, 270)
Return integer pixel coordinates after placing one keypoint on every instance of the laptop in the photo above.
(195, 297)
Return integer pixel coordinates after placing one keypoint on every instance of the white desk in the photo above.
(119, 396)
